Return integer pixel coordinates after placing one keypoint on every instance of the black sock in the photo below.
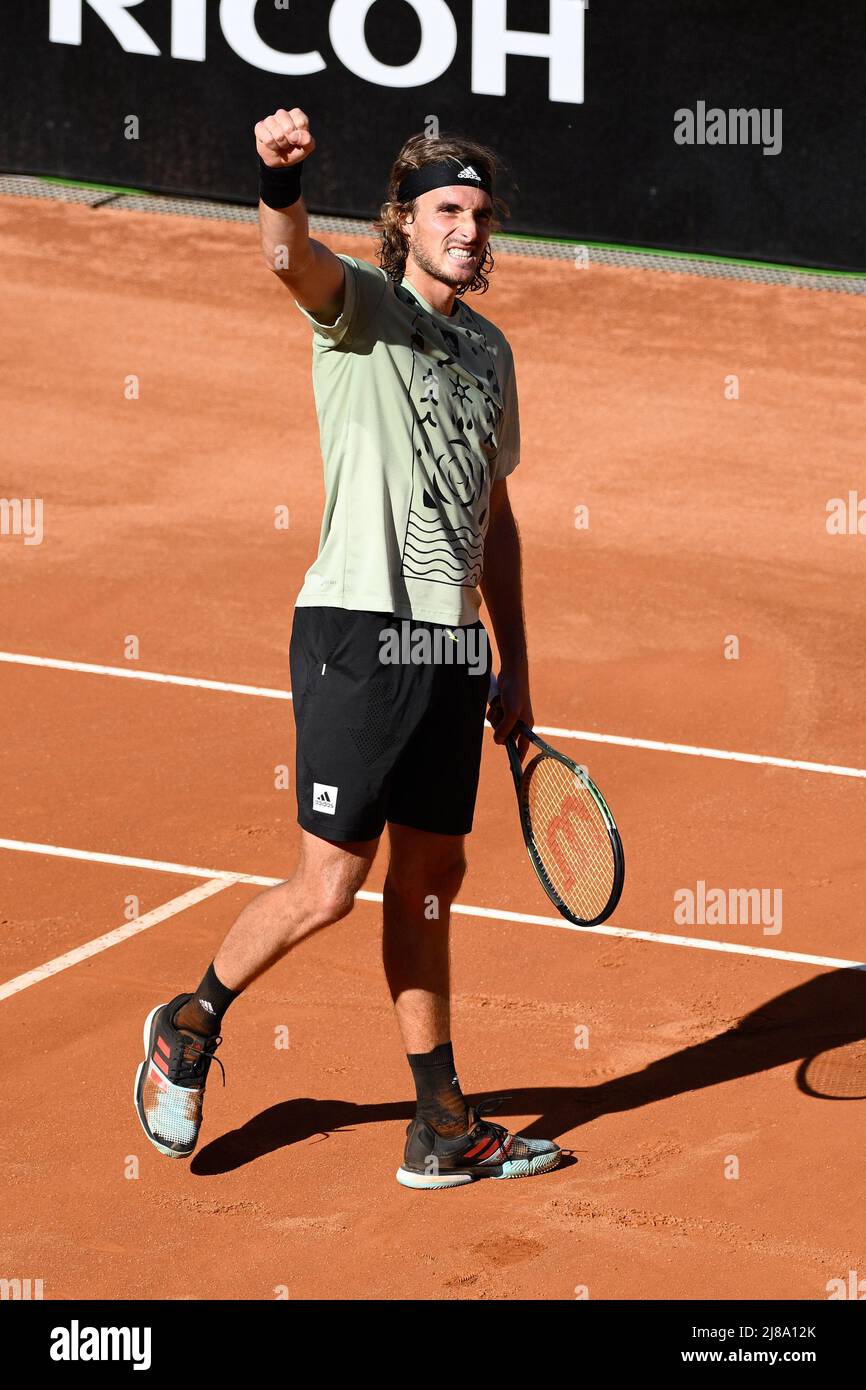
(203, 1011)
(440, 1100)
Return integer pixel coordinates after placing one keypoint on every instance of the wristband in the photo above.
(279, 188)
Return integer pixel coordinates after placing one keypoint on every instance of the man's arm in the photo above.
(313, 274)
(502, 587)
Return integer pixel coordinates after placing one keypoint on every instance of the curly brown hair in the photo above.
(418, 151)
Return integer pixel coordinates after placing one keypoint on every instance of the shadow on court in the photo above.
(825, 1012)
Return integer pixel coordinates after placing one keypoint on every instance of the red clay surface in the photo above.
(707, 518)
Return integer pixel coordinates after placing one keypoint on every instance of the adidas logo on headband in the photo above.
(442, 174)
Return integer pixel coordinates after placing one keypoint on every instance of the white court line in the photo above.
(17, 659)
(583, 736)
(462, 909)
(695, 942)
(113, 938)
(578, 735)
(164, 866)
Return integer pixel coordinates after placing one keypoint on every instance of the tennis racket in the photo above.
(570, 835)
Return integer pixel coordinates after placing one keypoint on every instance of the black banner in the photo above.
(727, 126)
(124, 1337)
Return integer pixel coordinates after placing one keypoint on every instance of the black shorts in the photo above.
(386, 739)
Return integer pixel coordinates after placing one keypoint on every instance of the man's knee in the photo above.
(328, 879)
(308, 901)
(330, 902)
(427, 885)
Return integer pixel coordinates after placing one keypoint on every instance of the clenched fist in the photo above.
(284, 138)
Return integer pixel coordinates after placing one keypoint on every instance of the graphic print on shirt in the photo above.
(456, 407)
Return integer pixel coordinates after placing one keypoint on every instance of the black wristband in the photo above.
(279, 188)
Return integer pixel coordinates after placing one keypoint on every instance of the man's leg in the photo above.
(424, 876)
(447, 1143)
(180, 1037)
(321, 891)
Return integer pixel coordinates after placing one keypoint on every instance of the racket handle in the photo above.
(492, 693)
(514, 761)
(510, 743)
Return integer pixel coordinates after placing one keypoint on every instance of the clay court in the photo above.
(139, 798)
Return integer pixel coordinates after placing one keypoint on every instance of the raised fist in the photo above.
(284, 138)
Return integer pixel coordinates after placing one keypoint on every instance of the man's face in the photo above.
(448, 223)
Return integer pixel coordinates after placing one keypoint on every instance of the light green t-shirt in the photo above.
(417, 418)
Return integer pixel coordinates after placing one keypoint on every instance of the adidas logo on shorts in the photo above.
(324, 798)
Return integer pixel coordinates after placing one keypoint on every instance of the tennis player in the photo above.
(418, 419)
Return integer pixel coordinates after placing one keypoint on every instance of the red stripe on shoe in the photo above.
(502, 1153)
(163, 1046)
(488, 1145)
(163, 1066)
(476, 1148)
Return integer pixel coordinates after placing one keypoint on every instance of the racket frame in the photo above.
(520, 776)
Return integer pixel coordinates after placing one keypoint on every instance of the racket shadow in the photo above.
(824, 1013)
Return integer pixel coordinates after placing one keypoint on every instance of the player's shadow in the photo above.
(825, 1012)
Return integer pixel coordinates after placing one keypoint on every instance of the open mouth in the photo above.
(459, 254)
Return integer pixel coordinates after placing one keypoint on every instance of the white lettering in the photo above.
(64, 24)
(77, 1343)
(189, 30)
(436, 54)
(492, 41)
(563, 47)
(238, 25)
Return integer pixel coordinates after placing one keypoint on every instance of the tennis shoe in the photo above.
(170, 1082)
(487, 1150)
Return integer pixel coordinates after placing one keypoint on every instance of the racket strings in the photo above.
(570, 836)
